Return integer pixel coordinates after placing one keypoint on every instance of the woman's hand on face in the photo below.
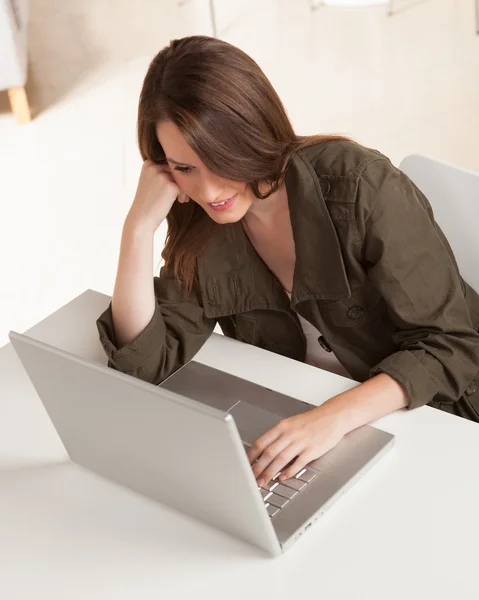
(156, 193)
(303, 437)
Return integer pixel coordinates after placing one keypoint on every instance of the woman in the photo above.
(313, 247)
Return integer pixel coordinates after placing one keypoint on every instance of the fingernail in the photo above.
(260, 482)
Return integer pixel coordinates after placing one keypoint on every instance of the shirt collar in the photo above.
(234, 279)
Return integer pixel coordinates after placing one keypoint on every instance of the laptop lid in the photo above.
(158, 443)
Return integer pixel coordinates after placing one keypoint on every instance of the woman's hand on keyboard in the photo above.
(304, 437)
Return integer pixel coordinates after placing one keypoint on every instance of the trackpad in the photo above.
(252, 421)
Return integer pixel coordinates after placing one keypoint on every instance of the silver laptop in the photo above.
(183, 442)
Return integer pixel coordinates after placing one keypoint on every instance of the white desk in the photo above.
(409, 529)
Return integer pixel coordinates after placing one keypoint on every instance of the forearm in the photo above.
(367, 402)
(133, 301)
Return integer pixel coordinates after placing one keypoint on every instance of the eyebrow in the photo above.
(178, 163)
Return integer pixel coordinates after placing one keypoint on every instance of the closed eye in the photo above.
(185, 170)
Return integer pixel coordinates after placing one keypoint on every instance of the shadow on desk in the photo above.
(45, 503)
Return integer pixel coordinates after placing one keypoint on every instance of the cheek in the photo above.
(241, 188)
(246, 192)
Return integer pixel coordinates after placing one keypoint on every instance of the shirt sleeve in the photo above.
(175, 333)
(410, 262)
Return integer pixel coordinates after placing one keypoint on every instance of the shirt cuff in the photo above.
(136, 353)
(407, 370)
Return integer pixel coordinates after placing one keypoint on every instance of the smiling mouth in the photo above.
(223, 204)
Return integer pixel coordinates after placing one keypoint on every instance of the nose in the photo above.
(212, 188)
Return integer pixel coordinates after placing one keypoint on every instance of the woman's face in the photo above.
(224, 201)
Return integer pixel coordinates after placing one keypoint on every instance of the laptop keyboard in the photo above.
(277, 495)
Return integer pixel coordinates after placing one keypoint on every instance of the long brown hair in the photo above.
(232, 118)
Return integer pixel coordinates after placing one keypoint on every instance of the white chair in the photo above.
(454, 196)
(13, 55)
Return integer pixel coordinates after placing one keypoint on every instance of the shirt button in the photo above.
(356, 313)
(472, 387)
(324, 344)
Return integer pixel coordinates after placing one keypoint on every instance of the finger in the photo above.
(282, 459)
(158, 166)
(260, 445)
(298, 465)
(183, 198)
(269, 455)
(165, 170)
(162, 167)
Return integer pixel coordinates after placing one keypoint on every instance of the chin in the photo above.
(228, 216)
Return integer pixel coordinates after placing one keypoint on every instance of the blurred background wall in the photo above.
(403, 83)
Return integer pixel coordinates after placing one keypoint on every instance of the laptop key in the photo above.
(306, 475)
(271, 485)
(272, 510)
(294, 484)
(278, 501)
(265, 494)
(286, 492)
